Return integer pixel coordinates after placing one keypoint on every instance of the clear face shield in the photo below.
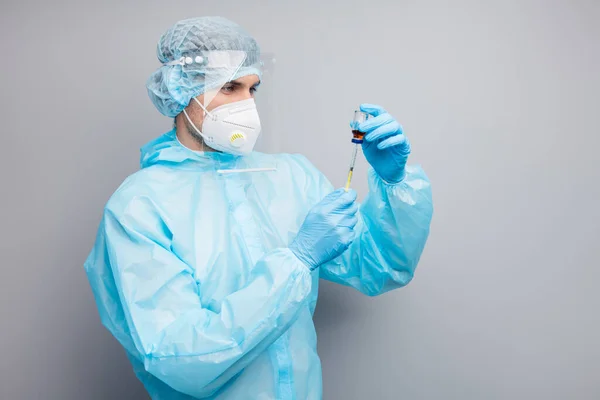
(237, 102)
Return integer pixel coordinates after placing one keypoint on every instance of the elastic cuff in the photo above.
(307, 265)
(391, 183)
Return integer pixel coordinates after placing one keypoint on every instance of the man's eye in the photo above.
(228, 88)
(253, 90)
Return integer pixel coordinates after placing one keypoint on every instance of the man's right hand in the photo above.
(328, 229)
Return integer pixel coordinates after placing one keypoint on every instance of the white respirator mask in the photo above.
(231, 128)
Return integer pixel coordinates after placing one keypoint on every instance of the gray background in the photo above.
(501, 103)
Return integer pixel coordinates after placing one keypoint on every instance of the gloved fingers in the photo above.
(393, 128)
(333, 195)
(402, 147)
(346, 200)
(347, 209)
(349, 222)
(347, 236)
(335, 201)
(350, 195)
(373, 123)
(392, 141)
(347, 197)
(372, 109)
(338, 192)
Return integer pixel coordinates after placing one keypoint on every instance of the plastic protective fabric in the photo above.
(328, 229)
(217, 41)
(385, 147)
(192, 273)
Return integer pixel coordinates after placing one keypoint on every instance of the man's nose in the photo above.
(247, 95)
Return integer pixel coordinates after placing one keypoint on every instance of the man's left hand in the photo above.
(385, 146)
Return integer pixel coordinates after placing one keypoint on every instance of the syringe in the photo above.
(357, 139)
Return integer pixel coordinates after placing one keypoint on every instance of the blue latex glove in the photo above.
(328, 229)
(385, 147)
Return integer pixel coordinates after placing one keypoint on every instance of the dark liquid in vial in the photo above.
(358, 134)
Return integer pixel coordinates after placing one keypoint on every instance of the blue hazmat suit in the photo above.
(192, 271)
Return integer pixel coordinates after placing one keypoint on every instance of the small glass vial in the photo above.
(359, 117)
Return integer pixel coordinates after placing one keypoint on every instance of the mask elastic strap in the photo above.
(195, 127)
(203, 108)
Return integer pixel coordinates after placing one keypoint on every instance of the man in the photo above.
(209, 279)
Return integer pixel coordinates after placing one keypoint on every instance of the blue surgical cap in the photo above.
(171, 87)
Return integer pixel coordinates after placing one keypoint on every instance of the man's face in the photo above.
(240, 89)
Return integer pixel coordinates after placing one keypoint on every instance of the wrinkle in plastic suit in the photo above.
(192, 273)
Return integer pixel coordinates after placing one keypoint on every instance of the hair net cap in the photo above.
(171, 87)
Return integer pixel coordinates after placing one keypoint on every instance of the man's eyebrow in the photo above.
(238, 83)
